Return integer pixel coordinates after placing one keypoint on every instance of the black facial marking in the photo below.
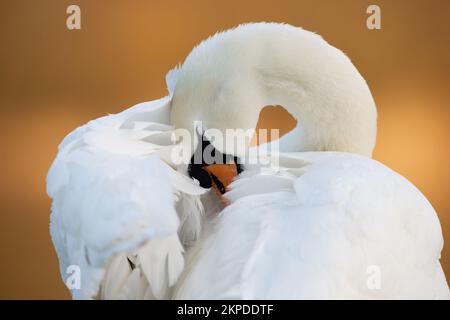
(197, 171)
(239, 167)
(219, 184)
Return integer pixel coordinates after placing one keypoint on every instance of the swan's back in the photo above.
(348, 228)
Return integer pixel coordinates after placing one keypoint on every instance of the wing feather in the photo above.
(113, 195)
(346, 219)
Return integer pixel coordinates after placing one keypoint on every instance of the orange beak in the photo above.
(222, 175)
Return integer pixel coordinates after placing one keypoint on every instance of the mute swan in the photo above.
(139, 227)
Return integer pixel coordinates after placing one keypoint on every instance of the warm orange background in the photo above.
(52, 80)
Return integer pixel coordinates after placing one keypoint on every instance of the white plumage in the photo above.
(318, 236)
(138, 227)
(112, 194)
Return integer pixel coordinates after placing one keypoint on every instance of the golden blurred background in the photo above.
(53, 79)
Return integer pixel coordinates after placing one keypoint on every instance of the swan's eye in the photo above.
(212, 168)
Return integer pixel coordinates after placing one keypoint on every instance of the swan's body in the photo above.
(139, 227)
(320, 236)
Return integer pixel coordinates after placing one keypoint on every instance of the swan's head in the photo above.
(229, 78)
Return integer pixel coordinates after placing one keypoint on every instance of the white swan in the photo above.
(124, 211)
